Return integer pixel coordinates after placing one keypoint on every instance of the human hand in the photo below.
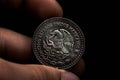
(17, 47)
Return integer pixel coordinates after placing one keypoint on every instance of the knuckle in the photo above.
(45, 73)
(39, 73)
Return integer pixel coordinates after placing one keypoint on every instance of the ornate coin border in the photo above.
(78, 30)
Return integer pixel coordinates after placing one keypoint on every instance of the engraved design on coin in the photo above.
(58, 42)
(61, 40)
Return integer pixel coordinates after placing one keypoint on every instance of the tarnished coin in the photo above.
(58, 42)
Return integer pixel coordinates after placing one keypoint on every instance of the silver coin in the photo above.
(58, 42)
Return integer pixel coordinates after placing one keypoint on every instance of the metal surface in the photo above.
(58, 42)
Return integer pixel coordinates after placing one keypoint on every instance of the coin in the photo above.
(58, 42)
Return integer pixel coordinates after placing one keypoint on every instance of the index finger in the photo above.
(39, 8)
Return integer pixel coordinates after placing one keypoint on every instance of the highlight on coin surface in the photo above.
(58, 42)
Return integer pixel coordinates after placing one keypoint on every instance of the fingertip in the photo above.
(68, 76)
(44, 8)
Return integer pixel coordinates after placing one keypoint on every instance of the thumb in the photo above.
(13, 71)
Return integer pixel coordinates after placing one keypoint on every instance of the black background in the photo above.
(84, 13)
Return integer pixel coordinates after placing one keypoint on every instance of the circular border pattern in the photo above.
(73, 25)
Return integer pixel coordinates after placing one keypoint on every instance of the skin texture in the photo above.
(17, 47)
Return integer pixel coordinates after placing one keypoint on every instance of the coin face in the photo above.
(58, 42)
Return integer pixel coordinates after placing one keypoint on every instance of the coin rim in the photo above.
(77, 29)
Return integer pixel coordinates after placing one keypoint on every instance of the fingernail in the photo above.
(68, 76)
